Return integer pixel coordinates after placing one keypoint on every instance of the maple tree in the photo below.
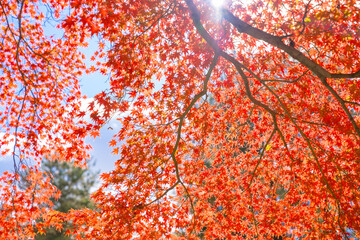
(275, 154)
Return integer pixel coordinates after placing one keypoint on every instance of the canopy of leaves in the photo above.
(276, 153)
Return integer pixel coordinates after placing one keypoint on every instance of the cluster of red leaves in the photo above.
(241, 122)
(39, 110)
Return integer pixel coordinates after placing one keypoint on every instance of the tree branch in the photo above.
(276, 41)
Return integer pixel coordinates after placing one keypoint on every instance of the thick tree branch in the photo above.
(342, 75)
(276, 41)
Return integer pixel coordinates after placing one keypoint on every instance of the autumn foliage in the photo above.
(240, 121)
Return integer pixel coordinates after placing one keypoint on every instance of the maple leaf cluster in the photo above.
(241, 121)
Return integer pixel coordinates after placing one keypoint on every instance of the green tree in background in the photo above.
(75, 184)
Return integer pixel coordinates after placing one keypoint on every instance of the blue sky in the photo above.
(91, 85)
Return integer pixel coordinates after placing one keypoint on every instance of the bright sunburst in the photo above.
(217, 3)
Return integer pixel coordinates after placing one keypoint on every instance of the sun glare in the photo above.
(217, 3)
